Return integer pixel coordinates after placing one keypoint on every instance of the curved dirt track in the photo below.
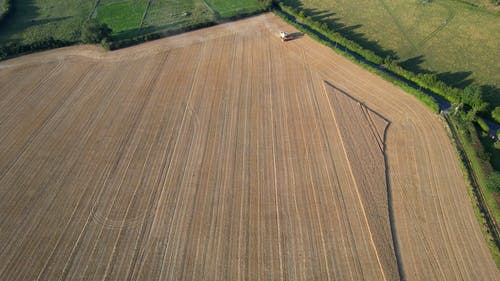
(220, 154)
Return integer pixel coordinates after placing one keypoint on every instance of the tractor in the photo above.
(285, 36)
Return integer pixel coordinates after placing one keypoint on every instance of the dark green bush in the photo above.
(493, 181)
(13, 48)
(496, 114)
(94, 32)
(482, 124)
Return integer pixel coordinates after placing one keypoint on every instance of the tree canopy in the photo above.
(473, 97)
(94, 32)
(496, 114)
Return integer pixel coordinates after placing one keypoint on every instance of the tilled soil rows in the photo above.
(225, 154)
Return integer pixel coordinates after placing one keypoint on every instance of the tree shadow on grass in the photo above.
(350, 32)
(457, 79)
(23, 14)
(130, 33)
(50, 20)
(491, 94)
(414, 65)
(294, 3)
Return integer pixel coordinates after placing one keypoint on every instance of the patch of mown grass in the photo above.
(172, 14)
(121, 16)
(230, 8)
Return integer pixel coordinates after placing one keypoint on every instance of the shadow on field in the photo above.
(349, 32)
(414, 64)
(45, 21)
(294, 3)
(397, 251)
(22, 16)
(168, 28)
(491, 94)
(457, 79)
(295, 35)
(395, 240)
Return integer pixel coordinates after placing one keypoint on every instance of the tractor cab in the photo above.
(285, 36)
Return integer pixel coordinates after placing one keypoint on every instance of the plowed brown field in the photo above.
(225, 154)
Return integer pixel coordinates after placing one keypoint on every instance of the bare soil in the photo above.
(225, 154)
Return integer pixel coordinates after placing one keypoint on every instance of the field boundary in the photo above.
(392, 225)
(209, 7)
(94, 9)
(15, 49)
(430, 99)
(407, 86)
(427, 83)
(150, 2)
(490, 226)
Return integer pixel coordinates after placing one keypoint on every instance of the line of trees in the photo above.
(92, 32)
(15, 48)
(471, 98)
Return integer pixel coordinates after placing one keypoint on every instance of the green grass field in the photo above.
(173, 14)
(453, 39)
(121, 15)
(34, 20)
(229, 8)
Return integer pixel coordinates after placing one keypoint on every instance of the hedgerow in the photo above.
(426, 81)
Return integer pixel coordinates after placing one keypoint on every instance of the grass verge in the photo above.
(475, 176)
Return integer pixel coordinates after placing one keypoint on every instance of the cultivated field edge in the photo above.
(479, 204)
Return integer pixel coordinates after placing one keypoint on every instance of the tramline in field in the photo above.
(226, 154)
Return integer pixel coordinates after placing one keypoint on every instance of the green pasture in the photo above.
(174, 14)
(34, 20)
(230, 8)
(459, 42)
(121, 16)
